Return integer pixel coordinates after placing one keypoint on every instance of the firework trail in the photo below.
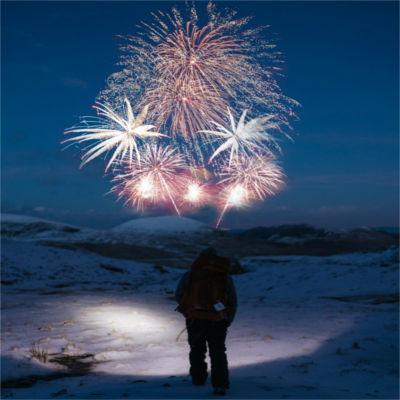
(114, 131)
(249, 179)
(154, 179)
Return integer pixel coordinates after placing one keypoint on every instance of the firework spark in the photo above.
(247, 137)
(249, 179)
(114, 131)
(154, 179)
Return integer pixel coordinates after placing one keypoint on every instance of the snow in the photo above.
(37, 229)
(20, 219)
(306, 327)
(165, 224)
(289, 239)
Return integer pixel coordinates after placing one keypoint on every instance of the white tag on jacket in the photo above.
(219, 306)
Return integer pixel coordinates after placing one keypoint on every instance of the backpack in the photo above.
(205, 295)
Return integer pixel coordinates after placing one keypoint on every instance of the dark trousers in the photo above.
(213, 333)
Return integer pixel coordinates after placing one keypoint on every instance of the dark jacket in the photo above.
(231, 292)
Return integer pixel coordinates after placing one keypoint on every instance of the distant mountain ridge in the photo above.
(25, 228)
(394, 230)
(305, 232)
(176, 240)
(271, 232)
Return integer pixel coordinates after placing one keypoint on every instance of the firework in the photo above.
(154, 179)
(249, 179)
(194, 74)
(247, 137)
(196, 193)
(191, 81)
(114, 131)
(188, 75)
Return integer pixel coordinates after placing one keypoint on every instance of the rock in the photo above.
(236, 267)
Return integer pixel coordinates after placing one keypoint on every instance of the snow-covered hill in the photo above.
(165, 225)
(136, 231)
(307, 327)
(21, 227)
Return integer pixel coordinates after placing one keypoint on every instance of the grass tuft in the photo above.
(39, 353)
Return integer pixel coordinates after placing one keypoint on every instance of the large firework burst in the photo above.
(153, 180)
(188, 75)
(192, 81)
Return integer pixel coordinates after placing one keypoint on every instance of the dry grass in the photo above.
(39, 353)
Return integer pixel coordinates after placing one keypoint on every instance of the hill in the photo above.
(162, 225)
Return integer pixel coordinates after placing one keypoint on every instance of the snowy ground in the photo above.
(307, 327)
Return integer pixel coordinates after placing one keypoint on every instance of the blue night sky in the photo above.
(341, 64)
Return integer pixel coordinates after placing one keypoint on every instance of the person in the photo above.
(205, 324)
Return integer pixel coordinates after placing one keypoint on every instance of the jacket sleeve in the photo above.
(232, 300)
(180, 289)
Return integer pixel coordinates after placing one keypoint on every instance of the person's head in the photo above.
(209, 251)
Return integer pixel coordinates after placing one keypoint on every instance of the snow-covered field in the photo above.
(307, 327)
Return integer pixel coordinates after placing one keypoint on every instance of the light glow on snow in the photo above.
(139, 341)
(157, 352)
(124, 320)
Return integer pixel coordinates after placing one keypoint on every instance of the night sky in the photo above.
(341, 64)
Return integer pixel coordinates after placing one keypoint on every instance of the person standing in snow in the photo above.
(207, 298)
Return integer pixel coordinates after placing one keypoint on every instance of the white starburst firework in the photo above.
(114, 131)
(244, 137)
